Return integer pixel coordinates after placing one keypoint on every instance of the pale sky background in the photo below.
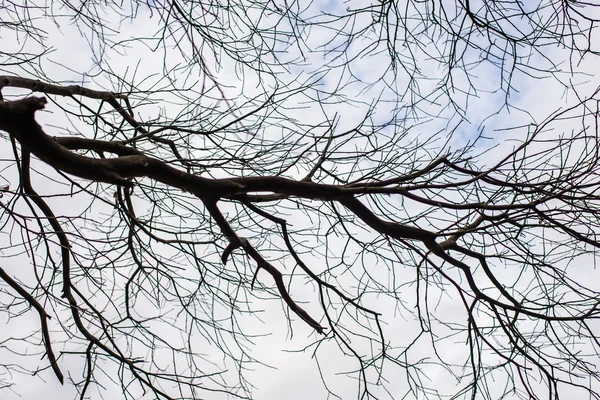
(294, 374)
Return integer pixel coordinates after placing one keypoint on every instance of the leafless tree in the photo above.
(391, 173)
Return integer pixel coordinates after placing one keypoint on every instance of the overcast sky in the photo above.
(293, 373)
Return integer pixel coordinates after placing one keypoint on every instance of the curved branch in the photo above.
(43, 320)
(261, 262)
